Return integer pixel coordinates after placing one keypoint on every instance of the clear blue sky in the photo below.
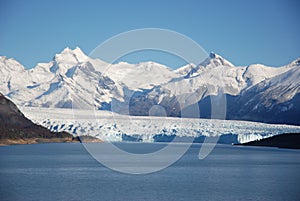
(244, 32)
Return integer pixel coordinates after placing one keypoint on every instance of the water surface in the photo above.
(67, 172)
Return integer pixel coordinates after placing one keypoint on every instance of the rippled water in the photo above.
(68, 172)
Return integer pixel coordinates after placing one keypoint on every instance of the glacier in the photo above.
(113, 127)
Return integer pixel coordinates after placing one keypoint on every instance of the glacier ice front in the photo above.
(110, 126)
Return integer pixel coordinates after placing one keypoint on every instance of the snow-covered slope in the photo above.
(13, 78)
(278, 89)
(272, 100)
(143, 75)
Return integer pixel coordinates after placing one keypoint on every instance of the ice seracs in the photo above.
(110, 126)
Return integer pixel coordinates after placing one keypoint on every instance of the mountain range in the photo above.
(72, 79)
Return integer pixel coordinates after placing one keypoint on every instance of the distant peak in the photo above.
(78, 50)
(67, 54)
(5, 58)
(212, 55)
(11, 64)
(68, 50)
(217, 60)
(296, 62)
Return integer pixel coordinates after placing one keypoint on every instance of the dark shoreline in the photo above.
(287, 141)
(22, 141)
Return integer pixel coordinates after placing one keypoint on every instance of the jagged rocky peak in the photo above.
(213, 60)
(67, 60)
(216, 60)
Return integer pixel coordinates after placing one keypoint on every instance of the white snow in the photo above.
(143, 75)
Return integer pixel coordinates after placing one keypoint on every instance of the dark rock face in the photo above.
(14, 125)
(10, 115)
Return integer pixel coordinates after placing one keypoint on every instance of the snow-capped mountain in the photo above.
(240, 85)
(272, 100)
(72, 79)
(68, 79)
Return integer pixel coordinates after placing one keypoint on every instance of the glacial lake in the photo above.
(67, 172)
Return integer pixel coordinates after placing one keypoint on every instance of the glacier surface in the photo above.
(109, 126)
